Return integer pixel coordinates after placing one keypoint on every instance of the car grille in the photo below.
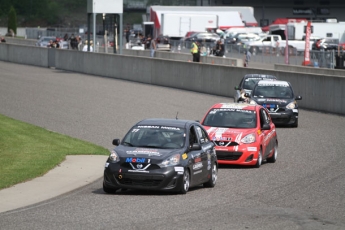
(274, 108)
(225, 143)
(229, 156)
(128, 166)
(142, 180)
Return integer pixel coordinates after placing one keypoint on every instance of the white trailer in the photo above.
(296, 30)
(228, 17)
(177, 25)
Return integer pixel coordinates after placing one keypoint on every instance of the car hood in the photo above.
(140, 152)
(275, 101)
(227, 134)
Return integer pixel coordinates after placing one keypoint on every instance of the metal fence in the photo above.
(269, 55)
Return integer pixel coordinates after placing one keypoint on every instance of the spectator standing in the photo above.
(2, 39)
(74, 42)
(127, 33)
(152, 46)
(65, 38)
(195, 52)
(247, 56)
(85, 46)
(50, 45)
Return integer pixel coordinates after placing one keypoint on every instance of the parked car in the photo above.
(247, 85)
(279, 99)
(244, 134)
(162, 154)
(325, 44)
(202, 37)
(163, 43)
(44, 41)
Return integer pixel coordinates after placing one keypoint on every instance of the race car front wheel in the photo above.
(185, 182)
(259, 161)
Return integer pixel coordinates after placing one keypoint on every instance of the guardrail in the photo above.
(320, 92)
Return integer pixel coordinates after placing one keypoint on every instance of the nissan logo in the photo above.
(221, 143)
(139, 166)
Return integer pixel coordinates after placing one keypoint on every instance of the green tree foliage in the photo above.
(12, 20)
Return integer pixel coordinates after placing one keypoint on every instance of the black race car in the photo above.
(162, 154)
(279, 99)
(247, 84)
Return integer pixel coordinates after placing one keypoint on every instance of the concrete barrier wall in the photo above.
(21, 41)
(185, 57)
(306, 69)
(320, 92)
(21, 54)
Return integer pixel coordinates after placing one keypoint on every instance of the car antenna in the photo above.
(176, 116)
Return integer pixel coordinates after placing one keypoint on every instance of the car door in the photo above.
(268, 142)
(197, 157)
(207, 150)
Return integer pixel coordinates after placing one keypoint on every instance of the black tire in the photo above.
(185, 182)
(109, 190)
(273, 158)
(295, 125)
(214, 175)
(259, 162)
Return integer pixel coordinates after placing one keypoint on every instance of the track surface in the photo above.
(304, 189)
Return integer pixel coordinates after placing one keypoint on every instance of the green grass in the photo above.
(28, 151)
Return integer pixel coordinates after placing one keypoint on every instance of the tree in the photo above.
(12, 20)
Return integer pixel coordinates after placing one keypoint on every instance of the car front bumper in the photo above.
(169, 178)
(245, 154)
(287, 117)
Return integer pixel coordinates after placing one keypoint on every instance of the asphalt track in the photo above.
(304, 189)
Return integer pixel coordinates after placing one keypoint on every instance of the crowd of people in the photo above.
(74, 43)
(198, 49)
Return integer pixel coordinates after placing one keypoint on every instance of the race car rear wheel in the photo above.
(186, 182)
(109, 190)
(259, 162)
(213, 179)
(273, 158)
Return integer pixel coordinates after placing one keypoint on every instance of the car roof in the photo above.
(255, 75)
(227, 105)
(273, 83)
(167, 122)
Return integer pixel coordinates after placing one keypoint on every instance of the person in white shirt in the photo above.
(85, 46)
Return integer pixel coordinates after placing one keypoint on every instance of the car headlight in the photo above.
(291, 105)
(250, 138)
(114, 157)
(252, 102)
(170, 161)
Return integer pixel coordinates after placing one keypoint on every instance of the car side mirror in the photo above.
(195, 146)
(116, 142)
(298, 98)
(266, 127)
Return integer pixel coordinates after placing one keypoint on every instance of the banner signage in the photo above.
(307, 45)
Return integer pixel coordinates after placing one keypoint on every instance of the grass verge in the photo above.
(28, 151)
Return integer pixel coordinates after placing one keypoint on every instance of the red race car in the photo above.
(244, 134)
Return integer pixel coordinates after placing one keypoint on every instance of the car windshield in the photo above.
(273, 91)
(156, 136)
(249, 83)
(231, 118)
